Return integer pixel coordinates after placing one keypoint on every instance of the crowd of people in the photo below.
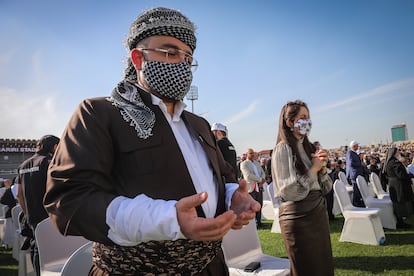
(8, 201)
(151, 183)
(28, 189)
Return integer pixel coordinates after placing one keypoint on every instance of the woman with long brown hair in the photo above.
(300, 179)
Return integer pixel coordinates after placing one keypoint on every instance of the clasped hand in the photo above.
(319, 160)
(243, 209)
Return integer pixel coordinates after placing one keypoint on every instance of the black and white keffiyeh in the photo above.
(158, 21)
(125, 96)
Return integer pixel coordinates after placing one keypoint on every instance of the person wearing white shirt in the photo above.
(255, 177)
(142, 177)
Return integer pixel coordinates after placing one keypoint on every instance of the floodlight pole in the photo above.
(192, 95)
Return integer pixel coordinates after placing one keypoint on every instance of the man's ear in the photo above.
(136, 58)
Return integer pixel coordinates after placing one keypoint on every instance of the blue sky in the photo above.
(351, 61)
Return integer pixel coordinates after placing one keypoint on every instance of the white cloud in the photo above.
(30, 108)
(244, 113)
(6, 56)
(389, 88)
(29, 116)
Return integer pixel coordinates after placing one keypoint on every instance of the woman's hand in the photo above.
(319, 160)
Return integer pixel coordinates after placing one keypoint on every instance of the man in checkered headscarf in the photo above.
(141, 176)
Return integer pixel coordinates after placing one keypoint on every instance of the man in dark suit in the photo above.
(353, 169)
(226, 147)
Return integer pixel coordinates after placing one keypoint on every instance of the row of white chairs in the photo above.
(374, 186)
(22, 256)
(270, 208)
(361, 225)
(72, 255)
(373, 196)
(2, 222)
(55, 249)
(386, 210)
(377, 187)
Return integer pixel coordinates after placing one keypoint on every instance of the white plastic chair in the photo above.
(376, 185)
(348, 186)
(17, 238)
(265, 195)
(267, 210)
(80, 262)
(22, 256)
(2, 210)
(275, 204)
(242, 247)
(267, 207)
(361, 225)
(7, 229)
(344, 179)
(386, 213)
(54, 248)
(2, 220)
(336, 210)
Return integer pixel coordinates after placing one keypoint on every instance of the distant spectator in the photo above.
(399, 182)
(410, 168)
(373, 166)
(353, 169)
(226, 147)
(7, 198)
(269, 168)
(242, 158)
(255, 177)
(9, 201)
(31, 179)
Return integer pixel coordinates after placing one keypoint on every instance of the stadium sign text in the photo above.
(17, 149)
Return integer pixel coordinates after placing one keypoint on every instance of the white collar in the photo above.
(178, 107)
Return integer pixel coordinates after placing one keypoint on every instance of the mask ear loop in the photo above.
(293, 126)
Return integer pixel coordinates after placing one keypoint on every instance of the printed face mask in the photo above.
(170, 80)
(304, 126)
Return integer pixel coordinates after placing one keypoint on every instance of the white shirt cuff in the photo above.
(141, 219)
(230, 189)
